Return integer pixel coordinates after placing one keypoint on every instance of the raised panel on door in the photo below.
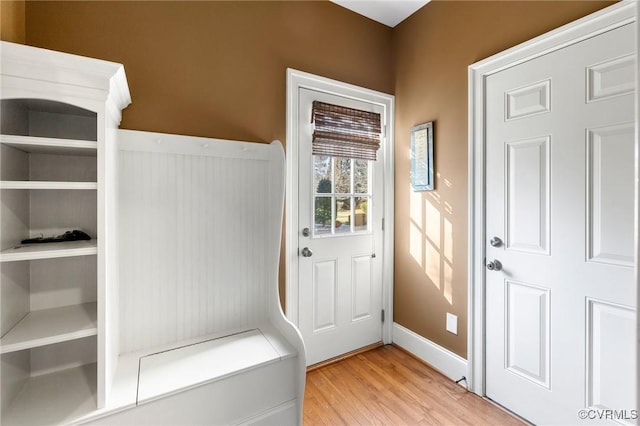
(361, 286)
(527, 195)
(610, 191)
(611, 78)
(527, 331)
(528, 100)
(611, 356)
(324, 294)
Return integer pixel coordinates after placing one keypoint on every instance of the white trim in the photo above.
(443, 360)
(295, 81)
(599, 22)
(637, 208)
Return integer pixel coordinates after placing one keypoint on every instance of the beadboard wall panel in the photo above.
(192, 244)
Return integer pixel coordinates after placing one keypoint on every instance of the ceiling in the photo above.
(388, 12)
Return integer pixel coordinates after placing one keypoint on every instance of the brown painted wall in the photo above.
(12, 21)
(216, 68)
(433, 49)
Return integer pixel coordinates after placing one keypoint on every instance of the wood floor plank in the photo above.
(387, 386)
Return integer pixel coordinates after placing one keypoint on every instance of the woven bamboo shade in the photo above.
(345, 132)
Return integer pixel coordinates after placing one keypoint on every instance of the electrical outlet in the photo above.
(452, 323)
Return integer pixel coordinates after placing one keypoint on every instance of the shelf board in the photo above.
(40, 145)
(57, 398)
(49, 250)
(39, 328)
(26, 184)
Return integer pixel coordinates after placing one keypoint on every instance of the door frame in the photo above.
(297, 80)
(599, 22)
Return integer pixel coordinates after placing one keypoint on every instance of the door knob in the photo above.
(494, 265)
(495, 242)
(306, 252)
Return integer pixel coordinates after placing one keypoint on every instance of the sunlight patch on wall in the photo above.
(432, 264)
(432, 223)
(448, 283)
(448, 241)
(415, 242)
(415, 208)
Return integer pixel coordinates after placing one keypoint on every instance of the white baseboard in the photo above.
(451, 365)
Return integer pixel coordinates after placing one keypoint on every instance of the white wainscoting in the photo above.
(193, 252)
(451, 365)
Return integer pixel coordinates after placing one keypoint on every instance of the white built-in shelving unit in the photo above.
(170, 313)
(57, 115)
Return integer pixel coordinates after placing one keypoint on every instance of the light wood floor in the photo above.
(387, 386)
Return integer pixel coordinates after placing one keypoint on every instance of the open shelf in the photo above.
(19, 184)
(56, 398)
(41, 145)
(49, 250)
(48, 326)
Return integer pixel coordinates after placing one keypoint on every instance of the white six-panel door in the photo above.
(560, 312)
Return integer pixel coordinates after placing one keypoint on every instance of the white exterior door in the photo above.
(339, 243)
(560, 312)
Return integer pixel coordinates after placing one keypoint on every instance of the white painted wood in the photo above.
(57, 108)
(14, 371)
(614, 77)
(529, 100)
(610, 194)
(451, 365)
(325, 311)
(212, 274)
(324, 296)
(636, 217)
(15, 288)
(284, 414)
(223, 402)
(609, 326)
(15, 217)
(202, 217)
(49, 326)
(179, 369)
(71, 168)
(63, 125)
(54, 398)
(536, 316)
(7, 184)
(53, 212)
(597, 23)
(49, 251)
(297, 80)
(54, 283)
(527, 331)
(362, 290)
(54, 358)
(42, 145)
(29, 69)
(15, 163)
(528, 195)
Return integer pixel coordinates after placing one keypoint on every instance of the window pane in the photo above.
(343, 215)
(343, 175)
(361, 214)
(361, 177)
(322, 174)
(322, 216)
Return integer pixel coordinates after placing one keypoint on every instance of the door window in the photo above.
(342, 195)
